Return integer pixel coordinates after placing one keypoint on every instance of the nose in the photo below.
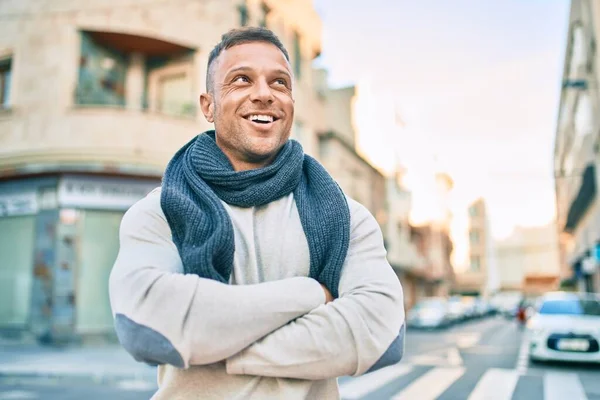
(261, 92)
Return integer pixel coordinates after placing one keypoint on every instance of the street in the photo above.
(60, 389)
(478, 360)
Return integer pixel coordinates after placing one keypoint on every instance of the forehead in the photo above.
(259, 56)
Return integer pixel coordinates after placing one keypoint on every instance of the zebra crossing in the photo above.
(423, 388)
(417, 382)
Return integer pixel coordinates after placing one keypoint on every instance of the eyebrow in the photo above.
(245, 68)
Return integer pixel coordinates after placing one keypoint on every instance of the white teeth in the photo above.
(261, 118)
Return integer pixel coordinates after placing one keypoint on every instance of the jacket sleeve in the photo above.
(163, 316)
(361, 331)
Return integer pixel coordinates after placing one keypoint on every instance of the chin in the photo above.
(258, 154)
(263, 152)
(267, 144)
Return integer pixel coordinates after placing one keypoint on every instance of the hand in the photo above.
(328, 296)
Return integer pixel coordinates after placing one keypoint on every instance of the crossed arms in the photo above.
(281, 328)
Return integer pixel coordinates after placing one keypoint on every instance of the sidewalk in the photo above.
(102, 363)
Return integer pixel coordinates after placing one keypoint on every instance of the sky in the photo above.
(467, 87)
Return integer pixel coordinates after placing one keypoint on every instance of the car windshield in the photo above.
(571, 307)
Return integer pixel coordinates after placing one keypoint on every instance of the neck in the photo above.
(240, 162)
(241, 165)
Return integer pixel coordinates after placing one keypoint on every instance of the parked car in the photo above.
(431, 312)
(482, 307)
(469, 306)
(565, 327)
(457, 309)
(507, 303)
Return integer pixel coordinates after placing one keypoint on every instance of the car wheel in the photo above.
(535, 361)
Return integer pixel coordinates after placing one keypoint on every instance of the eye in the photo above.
(242, 79)
(281, 81)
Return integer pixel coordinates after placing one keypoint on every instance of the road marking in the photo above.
(523, 358)
(485, 349)
(17, 394)
(467, 340)
(495, 384)
(454, 357)
(363, 385)
(449, 357)
(563, 385)
(430, 385)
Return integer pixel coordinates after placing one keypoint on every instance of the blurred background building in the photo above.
(577, 151)
(481, 276)
(528, 260)
(420, 260)
(433, 242)
(339, 154)
(408, 260)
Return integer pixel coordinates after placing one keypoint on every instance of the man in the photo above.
(249, 266)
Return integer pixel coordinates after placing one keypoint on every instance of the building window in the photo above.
(17, 241)
(102, 74)
(583, 126)
(244, 17)
(5, 80)
(583, 118)
(475, 263)
(578, 51)
(297, 56)
(170, 88)
(265, 12)
(474, 237)
(473, 211)
(139, 72)
(592, 56)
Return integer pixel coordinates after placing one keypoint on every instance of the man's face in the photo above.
(251, 103)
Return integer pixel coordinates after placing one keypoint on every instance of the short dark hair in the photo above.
(240, 36)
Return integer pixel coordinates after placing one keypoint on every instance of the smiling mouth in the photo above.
(262, 119)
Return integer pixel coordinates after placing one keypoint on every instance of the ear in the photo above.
(207, 105)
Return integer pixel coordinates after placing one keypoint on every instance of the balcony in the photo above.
(118, 69)
(103, 138)
(132, 105)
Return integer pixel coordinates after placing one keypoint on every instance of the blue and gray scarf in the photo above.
(200, 175)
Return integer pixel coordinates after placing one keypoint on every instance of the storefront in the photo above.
(18, 209)
(59, 237)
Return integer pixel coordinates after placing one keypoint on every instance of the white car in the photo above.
(430, 312)
(565, 327)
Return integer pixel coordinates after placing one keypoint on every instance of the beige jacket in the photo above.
(267, 335)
